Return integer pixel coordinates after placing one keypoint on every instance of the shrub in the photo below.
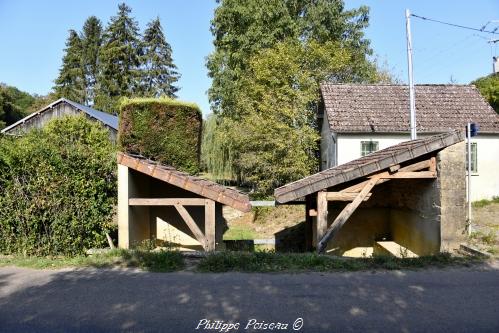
(162, 129)
(57, 188)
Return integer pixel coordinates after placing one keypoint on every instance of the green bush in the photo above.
(162, 129)
(57, 188)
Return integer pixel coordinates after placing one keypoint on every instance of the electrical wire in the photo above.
(455, 25)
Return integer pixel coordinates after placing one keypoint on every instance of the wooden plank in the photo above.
(209, 225)
(411, 175)
(410, 168)
(166, 201)
(191, 224)
(344, 196)
(321, 215)
(433, 164)
(261, 203)
(345, 215)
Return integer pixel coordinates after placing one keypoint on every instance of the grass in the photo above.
(483, 203)
(273, 262)
(161, 261)
(240, 232)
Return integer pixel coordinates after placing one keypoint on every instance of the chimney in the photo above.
(495, 65)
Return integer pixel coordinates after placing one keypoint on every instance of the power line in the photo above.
(455, 25)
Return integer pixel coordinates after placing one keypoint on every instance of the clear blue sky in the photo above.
(33, 33)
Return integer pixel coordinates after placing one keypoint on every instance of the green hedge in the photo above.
(57, 188)
(163, 129)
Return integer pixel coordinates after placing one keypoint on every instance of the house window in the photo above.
(367, 147)
(474, 164)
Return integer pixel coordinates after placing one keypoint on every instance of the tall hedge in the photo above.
(162, 129)
(57, 188)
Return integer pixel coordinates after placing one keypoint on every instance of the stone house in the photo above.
(358, 119)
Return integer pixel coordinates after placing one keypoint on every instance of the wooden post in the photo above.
(209, 224)
(309, 232)
(321, 215)
(344, 215)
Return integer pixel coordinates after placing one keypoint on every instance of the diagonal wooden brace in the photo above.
(345, 214)
(192, 225)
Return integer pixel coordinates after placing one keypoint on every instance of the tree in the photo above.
(71, 81)
(119, 59)
(57, 188)
(489, 88)
(270, 57)
(159, 73)
(14, 104)
(91, 37)
(242, 28)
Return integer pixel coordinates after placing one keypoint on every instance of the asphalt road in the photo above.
(97, 300)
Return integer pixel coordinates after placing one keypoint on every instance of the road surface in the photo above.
(127, 300)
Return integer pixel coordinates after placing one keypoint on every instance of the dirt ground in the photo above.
(264, 222)
(485, 228)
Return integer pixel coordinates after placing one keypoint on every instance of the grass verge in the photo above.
(274, 262)
(484, 202)
(161, 261)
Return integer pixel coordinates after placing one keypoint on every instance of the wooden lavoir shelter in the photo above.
(411, 194)
(152, 196)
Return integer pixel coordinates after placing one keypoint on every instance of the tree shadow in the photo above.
(117, 300)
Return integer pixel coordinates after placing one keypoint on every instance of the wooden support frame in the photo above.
(361, 192)
(345, 214)
(206, 238)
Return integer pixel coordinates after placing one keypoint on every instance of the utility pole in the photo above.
(412, 98)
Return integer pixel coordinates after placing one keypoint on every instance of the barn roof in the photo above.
(366, 165)
(354, 108)
(103, 117)
(202, 187)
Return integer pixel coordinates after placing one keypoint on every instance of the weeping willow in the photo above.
(217, 151)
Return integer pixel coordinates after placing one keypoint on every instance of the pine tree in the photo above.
(119, 60)
(71, 81)
(159, 73)
(91, 40)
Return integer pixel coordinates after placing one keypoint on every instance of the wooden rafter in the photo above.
(345, 214)
(426, 164)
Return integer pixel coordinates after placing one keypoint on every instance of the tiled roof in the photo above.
(385, 108)
(367, 165)
(202, 187)
(105, 118)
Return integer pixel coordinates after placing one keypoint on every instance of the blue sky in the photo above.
(33, 34)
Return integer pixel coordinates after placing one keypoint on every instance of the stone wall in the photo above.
(451, 168)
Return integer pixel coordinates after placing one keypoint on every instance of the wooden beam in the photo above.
(209, 225)
(394, 168)
(345, 215)
(321, 215)
(410, 168)
(191, 224)
(411, 175)
(433, 164)
(344, 196)
(166, 201)
(312, 212)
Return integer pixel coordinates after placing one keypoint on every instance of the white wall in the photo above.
(484, 184)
